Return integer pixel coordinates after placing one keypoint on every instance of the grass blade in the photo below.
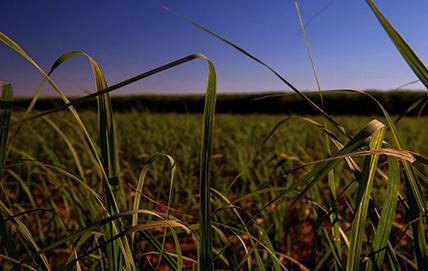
(405, 50)
(362, 203)
(111, 88)
(206, 252)
(136, 205)
(416, 202)
(5, 114)
(384, 227)
(309, 101)
(108, 161)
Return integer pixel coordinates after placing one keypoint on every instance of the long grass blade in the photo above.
(384, 227)
(205, 227)
(412, 59)
(113, 87)
(362, 202)
(308, 100)
(331, 174)
(416, 202)
(136, 205)
(108, 161)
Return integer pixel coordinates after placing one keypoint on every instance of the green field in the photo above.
(238, 148)
(50, 164)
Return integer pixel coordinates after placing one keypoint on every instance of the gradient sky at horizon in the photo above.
(126, 38)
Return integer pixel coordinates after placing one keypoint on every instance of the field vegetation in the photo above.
(85, 190)
(272, 103)
(42, 174)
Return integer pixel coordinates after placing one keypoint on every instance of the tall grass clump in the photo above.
(71, 202)
(116, 251)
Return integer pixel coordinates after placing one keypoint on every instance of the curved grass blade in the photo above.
(106, 128)
(137, 199)
(140, 186)
(205, 257)
(106, 124)
(5, 39)
(108, 161)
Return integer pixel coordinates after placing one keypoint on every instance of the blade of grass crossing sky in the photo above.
(405, 50)
(206, 252)
(384, 227)
(364, 190)
(416, 202)
(310, 54)
(308, 100)
(331, 179)
(5, 114)
(111, 88)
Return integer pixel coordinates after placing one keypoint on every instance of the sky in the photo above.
(349, 47)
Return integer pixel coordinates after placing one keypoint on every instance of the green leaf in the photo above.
(362, 202)
(405, 50)
(205, 227)
(416, 202)
(384, 227)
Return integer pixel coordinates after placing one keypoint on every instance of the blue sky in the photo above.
(126, 38)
